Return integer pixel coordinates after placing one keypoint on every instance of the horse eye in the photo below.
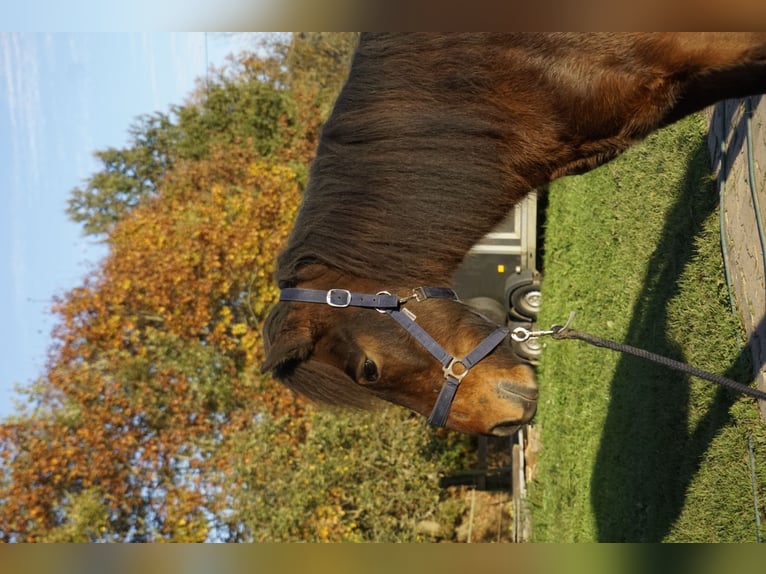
(370, 371)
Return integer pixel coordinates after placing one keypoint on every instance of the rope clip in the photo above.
(522, 334)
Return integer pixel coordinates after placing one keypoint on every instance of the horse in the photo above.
(431, 141)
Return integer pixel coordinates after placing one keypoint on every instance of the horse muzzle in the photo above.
(518, 401)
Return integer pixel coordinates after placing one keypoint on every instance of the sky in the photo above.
(62, 97)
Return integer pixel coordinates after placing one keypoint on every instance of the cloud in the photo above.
(21, 71)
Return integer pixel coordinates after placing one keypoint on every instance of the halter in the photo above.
(454, 369)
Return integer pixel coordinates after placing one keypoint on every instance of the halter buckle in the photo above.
(339, 292)
(419, 293)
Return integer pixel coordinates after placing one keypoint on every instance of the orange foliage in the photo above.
(155, 359)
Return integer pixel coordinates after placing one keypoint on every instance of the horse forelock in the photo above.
(289, 349)
(325, 384)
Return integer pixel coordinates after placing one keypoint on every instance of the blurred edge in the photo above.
(374, 559)
(407, 15)
(404, 15)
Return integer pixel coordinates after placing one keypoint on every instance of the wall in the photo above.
(734, 160)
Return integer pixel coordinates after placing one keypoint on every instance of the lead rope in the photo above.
(559, 332)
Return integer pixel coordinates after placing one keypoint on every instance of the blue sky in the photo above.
(63, 96)
(119, 15)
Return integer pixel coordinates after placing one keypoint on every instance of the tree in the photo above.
(127, 175)
(152, 356)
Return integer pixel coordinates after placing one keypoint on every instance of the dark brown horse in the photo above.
(433, 139)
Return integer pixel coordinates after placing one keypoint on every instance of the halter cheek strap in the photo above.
(454, 369)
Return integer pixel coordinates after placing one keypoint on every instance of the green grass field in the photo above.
(632, 451)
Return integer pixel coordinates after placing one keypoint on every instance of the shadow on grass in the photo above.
(648, 457)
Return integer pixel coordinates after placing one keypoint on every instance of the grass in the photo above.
(631, 451)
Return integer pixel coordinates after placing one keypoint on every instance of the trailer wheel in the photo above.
(526, 300)
(522, 295)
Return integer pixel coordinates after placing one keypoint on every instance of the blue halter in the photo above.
(454, 369)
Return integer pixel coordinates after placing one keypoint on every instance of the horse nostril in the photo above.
(517, 390)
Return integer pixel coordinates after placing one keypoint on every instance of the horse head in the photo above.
(350, 355)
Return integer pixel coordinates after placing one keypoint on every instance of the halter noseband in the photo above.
(385, 302)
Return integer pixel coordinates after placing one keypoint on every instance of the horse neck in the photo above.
(423, 155)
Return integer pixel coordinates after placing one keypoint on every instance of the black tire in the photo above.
(522, 295)
(525, 300)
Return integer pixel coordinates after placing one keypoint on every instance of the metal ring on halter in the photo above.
(382, 293)
(449, 370)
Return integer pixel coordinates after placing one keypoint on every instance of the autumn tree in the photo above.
(153, 354)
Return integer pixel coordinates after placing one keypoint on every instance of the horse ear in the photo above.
(286, 339)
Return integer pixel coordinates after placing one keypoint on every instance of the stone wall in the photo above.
(734, 160)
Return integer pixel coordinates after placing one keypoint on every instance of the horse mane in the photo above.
(409, 146)
(423, 154)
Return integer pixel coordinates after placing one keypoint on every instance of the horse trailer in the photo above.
(499, 276)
